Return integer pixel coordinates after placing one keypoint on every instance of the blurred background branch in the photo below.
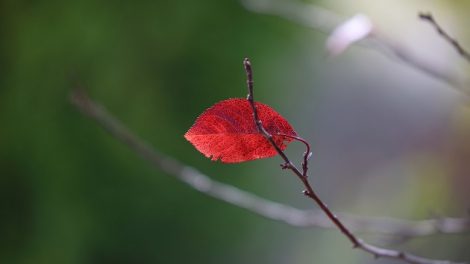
(255, 204)
(325, 21)
(452, 41)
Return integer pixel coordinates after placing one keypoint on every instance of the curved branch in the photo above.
(307, 153)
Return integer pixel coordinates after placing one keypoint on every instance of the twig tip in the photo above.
(425, 15)
(247, 64)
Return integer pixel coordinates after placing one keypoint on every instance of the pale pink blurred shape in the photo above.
(352, 30)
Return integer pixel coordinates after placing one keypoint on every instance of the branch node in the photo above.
(285, 166)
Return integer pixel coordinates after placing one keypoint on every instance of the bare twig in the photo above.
(325, 21)
(377, 252)
(452, 41)
(255, 204)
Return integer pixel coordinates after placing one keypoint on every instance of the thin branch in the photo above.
(452, 41)
(252, 203)
(377, 252)
(307, 153)
(325, 21)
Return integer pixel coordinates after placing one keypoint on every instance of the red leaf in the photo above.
(227, 131)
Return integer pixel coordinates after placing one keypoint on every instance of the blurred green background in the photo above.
(388, 140)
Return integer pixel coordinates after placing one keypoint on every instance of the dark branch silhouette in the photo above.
(452, 41)
(377, 252)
